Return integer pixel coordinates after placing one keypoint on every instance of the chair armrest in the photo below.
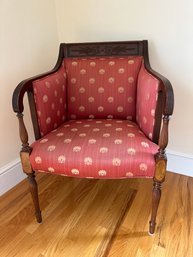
(154, 99)
(23, 87)
(18, 107)
(166, 89)
(26, 86)
(50, 100)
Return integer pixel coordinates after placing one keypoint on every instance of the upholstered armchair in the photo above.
(101, 113)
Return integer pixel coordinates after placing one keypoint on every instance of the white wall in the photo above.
(168, 27)
(28, 45)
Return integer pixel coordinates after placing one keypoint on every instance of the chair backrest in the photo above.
(85, 88)
(102, 87)
(95, 80)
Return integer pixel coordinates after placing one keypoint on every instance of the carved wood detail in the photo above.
(76, 50)
(163, 140)
(26, 149)
(23, 134)
(25, 162)
(160, 169)
(160, 157)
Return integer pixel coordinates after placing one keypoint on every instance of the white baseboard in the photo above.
(180, 163)
(11, 174)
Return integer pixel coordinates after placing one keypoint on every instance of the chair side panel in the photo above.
(147, 96)
(50, 100)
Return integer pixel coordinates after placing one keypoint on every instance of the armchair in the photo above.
(100, 113)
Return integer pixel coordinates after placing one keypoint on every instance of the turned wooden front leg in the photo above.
(34, 192)
(26, 165)
(158, 179)
(160, 172)
(156, 195)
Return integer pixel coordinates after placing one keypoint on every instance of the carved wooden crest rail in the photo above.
(85, 49)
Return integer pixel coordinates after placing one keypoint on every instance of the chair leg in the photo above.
(34, 193)
(156, 195)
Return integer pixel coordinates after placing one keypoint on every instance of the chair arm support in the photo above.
(163, 139)
(26, 149)
(23, 134)
(165, 110)
(160, 157)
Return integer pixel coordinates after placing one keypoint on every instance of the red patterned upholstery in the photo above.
(50, 98)
(95, 148)
(98, 116)
(147, 92)
(104, 96)
(102, 87)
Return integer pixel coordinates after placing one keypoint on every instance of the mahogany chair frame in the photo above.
(164, 110)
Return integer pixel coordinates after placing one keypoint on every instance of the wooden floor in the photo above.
(66, 202)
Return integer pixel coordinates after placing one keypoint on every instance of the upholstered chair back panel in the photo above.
(102, 87)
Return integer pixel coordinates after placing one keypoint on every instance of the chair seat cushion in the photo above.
(95, 148)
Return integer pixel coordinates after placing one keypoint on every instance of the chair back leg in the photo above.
(156, 195)
(34, 193)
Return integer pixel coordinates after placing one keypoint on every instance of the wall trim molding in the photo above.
(11, 174)
(8, 166)
(180, 163)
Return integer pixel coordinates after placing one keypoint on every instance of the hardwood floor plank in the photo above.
(174, 231)
(80, 218)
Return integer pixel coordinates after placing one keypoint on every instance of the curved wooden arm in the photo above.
(22, 88)
(18, 94)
